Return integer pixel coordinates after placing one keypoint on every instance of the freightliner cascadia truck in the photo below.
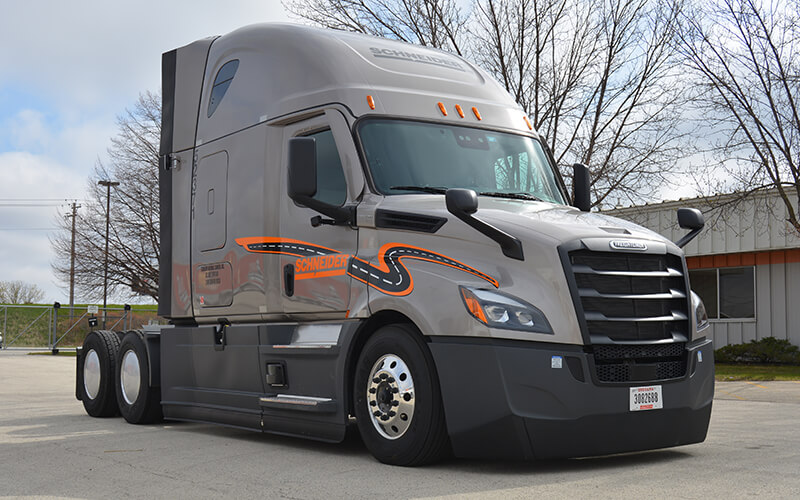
(361, 230)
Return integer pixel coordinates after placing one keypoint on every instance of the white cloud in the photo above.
(91, 54)
(69, 68)
(25, 252)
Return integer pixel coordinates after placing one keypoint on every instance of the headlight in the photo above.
(700, 314)
(500, 310)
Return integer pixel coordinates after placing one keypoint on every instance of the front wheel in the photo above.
(397, 399)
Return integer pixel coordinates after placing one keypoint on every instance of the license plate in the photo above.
(646, 398)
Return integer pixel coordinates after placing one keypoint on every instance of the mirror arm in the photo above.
(688, 237)
(341, 215)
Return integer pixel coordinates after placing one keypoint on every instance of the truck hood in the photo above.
(531, 220)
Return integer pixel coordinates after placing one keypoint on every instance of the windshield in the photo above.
(406, 156)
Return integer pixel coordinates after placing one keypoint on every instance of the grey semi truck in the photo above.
(358, 229)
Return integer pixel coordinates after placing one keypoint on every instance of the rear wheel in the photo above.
(97, 392)
(397, 400)
(138, 402)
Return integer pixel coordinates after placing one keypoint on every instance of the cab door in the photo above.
(315, 256)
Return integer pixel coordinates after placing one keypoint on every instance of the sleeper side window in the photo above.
(331, 184)
(221, 83)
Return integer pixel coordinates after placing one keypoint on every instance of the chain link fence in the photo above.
(61, 326)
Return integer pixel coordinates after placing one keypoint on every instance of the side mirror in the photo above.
(302, 168)
(461, 200)
(463, 203)
(690, 218)
(302, 183)
(582, 186)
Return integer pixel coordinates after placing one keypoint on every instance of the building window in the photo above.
(728, 293)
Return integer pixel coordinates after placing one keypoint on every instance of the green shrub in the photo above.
(768, 350)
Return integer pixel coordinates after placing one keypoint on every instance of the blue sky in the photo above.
(68, 69)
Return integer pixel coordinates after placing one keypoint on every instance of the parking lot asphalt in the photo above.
(49, 447)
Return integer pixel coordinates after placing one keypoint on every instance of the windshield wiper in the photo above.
(514, 196)
(424, 189)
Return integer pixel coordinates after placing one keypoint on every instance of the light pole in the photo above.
(108, 185)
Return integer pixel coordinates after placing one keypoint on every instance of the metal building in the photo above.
(745, 264)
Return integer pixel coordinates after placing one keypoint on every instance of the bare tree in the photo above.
(134, 223)
(434, 23)
(599, 78)
(746, 57)
(19, 292)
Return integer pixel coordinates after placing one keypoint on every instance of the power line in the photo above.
(39, 199)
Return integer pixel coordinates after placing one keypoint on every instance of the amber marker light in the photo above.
(442, 108)
(476, 113)
(370, 102)
(459, 111)
(528, 123)
(473, 306)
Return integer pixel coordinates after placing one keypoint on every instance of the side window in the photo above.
(221, 83)
(331, 185)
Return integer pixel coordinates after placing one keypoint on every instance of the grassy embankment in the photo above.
(38, 332)
(726, 372)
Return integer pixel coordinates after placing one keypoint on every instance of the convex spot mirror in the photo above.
(690, 218)
(461, 200)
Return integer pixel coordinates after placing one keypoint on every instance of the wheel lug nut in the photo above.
(376, 380)
(390, 379)
(392, 413)
(395, 403)
(373, 403)
(376, 413)
(383, 375)
(395, 390)
(384, 417)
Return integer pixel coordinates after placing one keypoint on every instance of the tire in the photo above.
(96, 389)
(397, 400)
(138, 402)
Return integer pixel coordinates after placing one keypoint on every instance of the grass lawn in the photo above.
(65, 351)
(757, 372)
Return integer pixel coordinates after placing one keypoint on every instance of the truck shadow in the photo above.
(353, 447)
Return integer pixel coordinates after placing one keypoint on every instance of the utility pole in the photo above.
(74, 216)
(108, 185)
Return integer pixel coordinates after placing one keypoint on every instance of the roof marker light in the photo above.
(442, 108)
(459, 111)
(528, 123)
(370, 102)
(476, 113)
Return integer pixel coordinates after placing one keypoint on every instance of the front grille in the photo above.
(631, 297)
(636, 298)
(639, 363)
(640, 352)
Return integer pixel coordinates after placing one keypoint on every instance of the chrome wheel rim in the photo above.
(91, 374)
(390, 396)
(130, 377)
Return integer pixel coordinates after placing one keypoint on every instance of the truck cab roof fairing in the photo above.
(285, 67)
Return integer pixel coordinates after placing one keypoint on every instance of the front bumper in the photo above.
(503, 399)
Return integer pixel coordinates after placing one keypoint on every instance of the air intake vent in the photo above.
(390, 219)
(617, 363)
